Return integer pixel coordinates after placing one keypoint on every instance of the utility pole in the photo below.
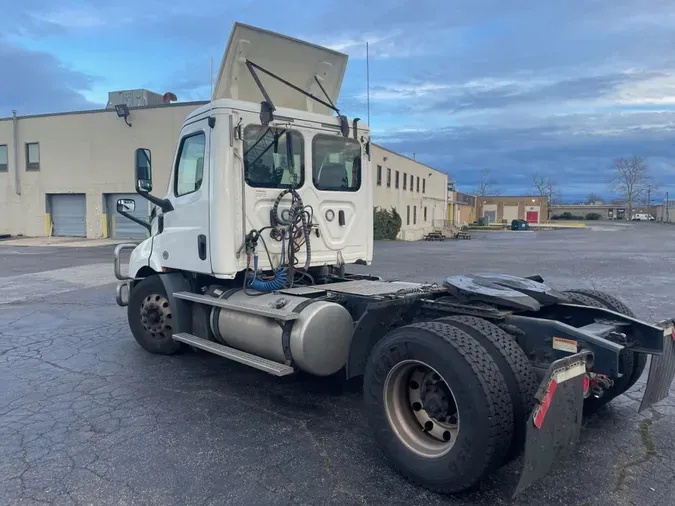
(368, 83)
(667, 206)
(649, 200)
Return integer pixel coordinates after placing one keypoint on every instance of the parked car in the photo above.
(643, 217)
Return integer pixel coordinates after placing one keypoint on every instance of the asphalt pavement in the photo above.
(88, 417)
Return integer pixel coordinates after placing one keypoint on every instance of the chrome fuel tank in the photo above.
(318, 340)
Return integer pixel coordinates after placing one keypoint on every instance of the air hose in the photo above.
(280, 276)
(297, 218)
(296, 210)
(273, 285)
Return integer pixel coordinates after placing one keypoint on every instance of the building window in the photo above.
(405, 181)
(414, 215)
(397, 178)
(424, 185)
(388, 177)
(418, 184)
(379, 175)
(407, 214)
(32, 156)
(3, 157)
(190, 166)
(425, 213)
(412, 182)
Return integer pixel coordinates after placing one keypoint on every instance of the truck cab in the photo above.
(235, 158)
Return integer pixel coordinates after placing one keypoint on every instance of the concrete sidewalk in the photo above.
(66, 242)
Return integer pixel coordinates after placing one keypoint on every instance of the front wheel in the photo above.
(150, 317)
(438, 406)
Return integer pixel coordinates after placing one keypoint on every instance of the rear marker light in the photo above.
(546, 403)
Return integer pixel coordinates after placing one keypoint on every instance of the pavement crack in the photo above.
(648, 446)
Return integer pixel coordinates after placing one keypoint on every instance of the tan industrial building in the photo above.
(64, 172)
(417, 192)
(61, 174)
(504, 209)
(461, 207)
(606, 211)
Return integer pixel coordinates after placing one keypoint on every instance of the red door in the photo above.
(532, 217)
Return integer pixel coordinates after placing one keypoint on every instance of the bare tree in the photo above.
(592, 198)
(546, 187)
(487, 185)
(630, 179)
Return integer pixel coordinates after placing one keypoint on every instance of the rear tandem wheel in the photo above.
(521, 381)
(634, 363)
(438, 406)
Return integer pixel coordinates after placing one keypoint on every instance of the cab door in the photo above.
(184, 242)
(342, 197)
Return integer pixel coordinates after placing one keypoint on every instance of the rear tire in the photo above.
(633, 363)
(520, 378)
(150, 317)
(615, 304)
(476, 387)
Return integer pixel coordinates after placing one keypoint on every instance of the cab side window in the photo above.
(190, 165)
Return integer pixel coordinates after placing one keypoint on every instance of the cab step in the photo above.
(242, 307)
(263, 364)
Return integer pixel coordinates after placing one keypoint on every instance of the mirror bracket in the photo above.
(142, 223)
(164, 204)
(136, 220)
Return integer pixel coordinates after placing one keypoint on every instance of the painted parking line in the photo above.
(48, 283)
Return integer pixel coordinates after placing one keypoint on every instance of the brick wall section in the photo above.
(524, 203)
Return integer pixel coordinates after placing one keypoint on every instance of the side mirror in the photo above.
(143, 171)
(126, 206)
(144, 182)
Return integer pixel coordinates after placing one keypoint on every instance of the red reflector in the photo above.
(546, 403)
(587, 383)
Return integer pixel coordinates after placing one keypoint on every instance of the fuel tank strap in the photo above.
(288, 327)
(215, 312)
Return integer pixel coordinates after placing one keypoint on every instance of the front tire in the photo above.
(150, 317)
(438, 406)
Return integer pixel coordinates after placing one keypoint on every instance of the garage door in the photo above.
(510, 213)
(120, 227)
(69, 214)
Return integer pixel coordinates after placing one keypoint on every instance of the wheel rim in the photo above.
(156, 316)
(421, 408)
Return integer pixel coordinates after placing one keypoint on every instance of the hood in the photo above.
(294, 60)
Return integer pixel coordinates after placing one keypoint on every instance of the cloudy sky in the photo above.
(556, 88)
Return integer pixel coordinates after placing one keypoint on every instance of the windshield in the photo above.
(336, 163)
(273, 157)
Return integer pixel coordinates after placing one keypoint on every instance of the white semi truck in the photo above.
(270, 201)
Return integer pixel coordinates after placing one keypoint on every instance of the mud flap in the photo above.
(555, 423)
(661, 370)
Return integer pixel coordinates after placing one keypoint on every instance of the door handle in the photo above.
(341, 218)
(201, 246)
